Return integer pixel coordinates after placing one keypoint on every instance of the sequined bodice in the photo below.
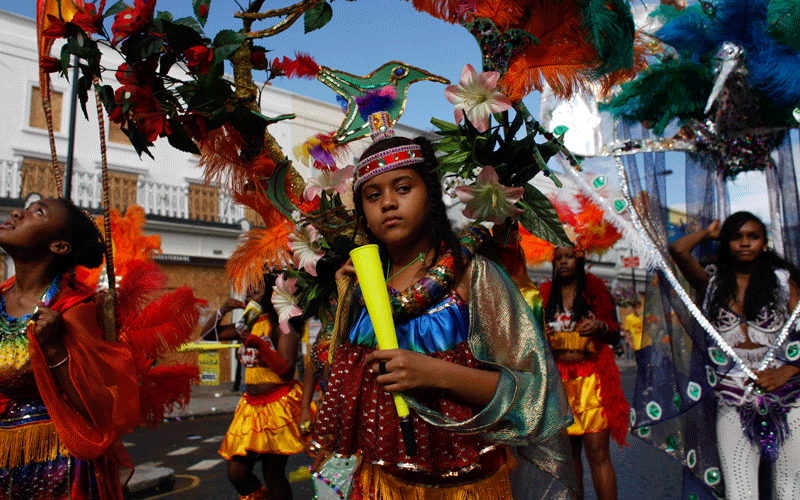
(16, 374)
(440, 328)
(763, 330)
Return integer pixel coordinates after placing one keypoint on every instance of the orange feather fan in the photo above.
(221, 161)
(446, 10)
(130, 245)
(536, 250)
(594, 232)
(263, 247)
(565, 57)
(260, 248)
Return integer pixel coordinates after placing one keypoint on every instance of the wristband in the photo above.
(59, 363)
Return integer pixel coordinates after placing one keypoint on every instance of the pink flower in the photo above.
(306, 245)
(326, 180)
(284, 301)
(488, 200)
(477, 97)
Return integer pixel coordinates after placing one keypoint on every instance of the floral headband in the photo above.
(380, 125)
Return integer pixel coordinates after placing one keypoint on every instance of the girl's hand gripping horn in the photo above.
(369, 271)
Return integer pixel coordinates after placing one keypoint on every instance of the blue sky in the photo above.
(362, 36)
(365, 34)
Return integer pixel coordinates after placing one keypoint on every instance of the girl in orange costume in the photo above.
(61, 414)
(265, 425)
(580, 323)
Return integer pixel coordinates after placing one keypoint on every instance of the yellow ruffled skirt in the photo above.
(587, 406)
(266, 424)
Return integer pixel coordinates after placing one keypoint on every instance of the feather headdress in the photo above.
(578, 42)
(584, 223)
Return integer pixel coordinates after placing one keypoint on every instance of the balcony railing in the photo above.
(155, 198)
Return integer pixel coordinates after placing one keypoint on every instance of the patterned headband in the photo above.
(380, 125)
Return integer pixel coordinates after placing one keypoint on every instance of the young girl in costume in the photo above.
(265, 424)
(66, 392)
(748, 301)
(580, 319)
(472, 361)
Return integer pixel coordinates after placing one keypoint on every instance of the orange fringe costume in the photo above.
(269, 423)
(594, 387)
(58, 437)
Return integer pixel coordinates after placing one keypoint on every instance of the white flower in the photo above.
(306, 245)
(284, 301)
(487, 199)
(326, 180)
(477, 97)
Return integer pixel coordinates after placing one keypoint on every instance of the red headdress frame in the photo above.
(380, 125)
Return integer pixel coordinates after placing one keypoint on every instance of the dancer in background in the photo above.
(447, 300)
(265, 425)
(748, 301)
(68, 395)
(581, 324)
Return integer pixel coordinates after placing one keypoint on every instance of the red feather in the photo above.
(139, 286)
(164, 324)
(303, 66)
(163, 388)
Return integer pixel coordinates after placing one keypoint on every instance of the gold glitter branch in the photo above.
(291, 13)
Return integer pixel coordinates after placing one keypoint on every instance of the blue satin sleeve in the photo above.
(439, 328)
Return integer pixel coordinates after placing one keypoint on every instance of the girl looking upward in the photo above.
(69, 395)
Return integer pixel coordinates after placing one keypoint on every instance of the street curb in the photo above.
(205, 404)
(147, 481)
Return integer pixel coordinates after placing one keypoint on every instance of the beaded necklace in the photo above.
(439, 279)
(9, 325)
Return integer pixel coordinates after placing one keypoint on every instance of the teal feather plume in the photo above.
(610, 23)
(677, 88)
(783, 17)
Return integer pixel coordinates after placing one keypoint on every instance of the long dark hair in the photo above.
(760, 292)
(580, 307)
(441, 231)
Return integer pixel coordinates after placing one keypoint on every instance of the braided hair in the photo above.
(442, 234)
(83, 236)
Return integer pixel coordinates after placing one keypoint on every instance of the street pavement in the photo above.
(179, 460)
